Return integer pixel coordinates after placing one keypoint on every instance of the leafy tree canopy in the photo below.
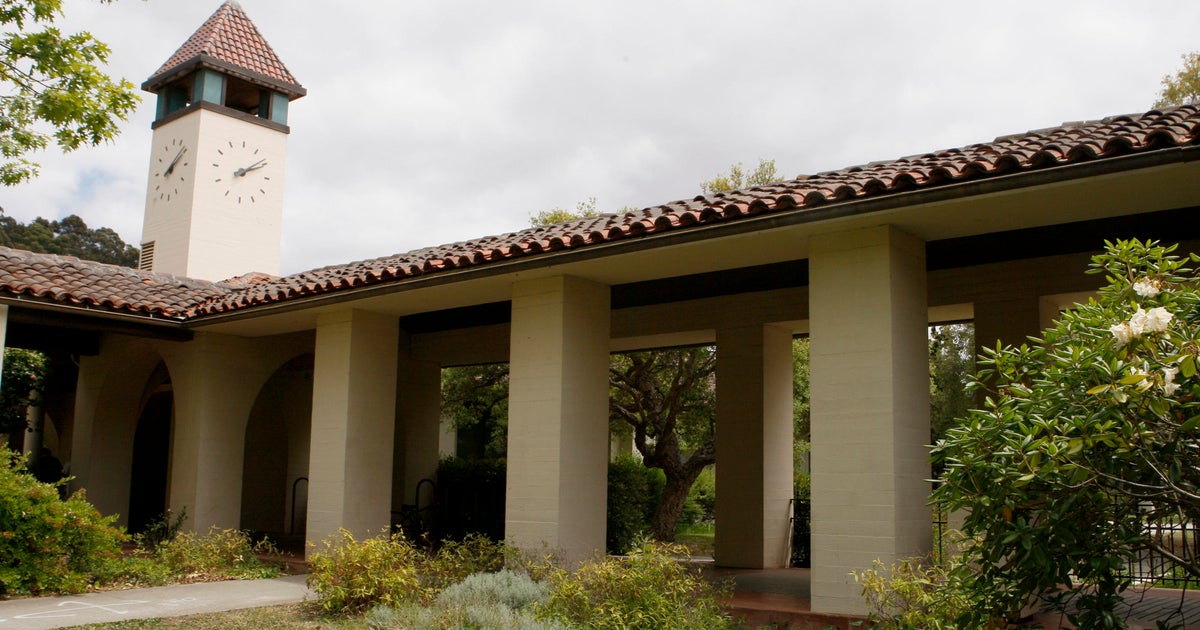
(24, 374)
(69, 236)
(53, 88)
(765, 173)
(1087, 450)
(1183, 86)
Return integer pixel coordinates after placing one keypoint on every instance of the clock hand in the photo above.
(171, 166)
(241, 172)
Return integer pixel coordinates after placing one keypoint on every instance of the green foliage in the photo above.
(49, 544)
(67, 237)
(24, 378)
(633, 492)
(454, 561)
(737, 178)
(220, 554)
(53, 88)
(1183, 86)
(912, 595)
(951, 365)
(650, 589)
(1090, 436)
(583, 210)
(352, 576)
(475, 397)
(162, 530)
(701, 503)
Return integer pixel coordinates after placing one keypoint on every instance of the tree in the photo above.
(1182, 87)
(764, 174)
(668, 400)
(951, 364)
(52, 79)
(69, 236)
(23, 379)
(583, 210)
(1087, 448)
(475, 397)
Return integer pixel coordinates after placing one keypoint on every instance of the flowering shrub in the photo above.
(1088, 435)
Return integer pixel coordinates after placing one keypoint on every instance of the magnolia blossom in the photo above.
(1123, 333)
(1156, 319)
(1146, 287)
(1169, 385)
(1137, 323)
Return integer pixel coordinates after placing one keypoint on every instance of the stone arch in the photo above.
(151, 465)
(275, 465)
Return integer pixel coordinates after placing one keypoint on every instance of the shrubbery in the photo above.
(633, 493)
(501, 600)
(221, 554)
(352, 576)
(49, 544)
(649, 590)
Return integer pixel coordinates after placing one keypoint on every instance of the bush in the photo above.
(47, 543)
(633, 493)
(352, 576)
(701, 503)
(483, 600)
(512, 589)
(648, 590)
(912, 595)
(221, 554)
(456, 560)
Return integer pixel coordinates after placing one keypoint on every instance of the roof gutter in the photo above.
(144, 320)
(772, 220)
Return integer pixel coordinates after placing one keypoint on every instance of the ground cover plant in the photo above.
(1087, 442)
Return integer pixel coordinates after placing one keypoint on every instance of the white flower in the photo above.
(1122, 332)
(1137, 323)
(1169, 375)
(1157, 319)
(1170, 388)
(1146, 287)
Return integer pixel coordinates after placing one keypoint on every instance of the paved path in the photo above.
(144, 603)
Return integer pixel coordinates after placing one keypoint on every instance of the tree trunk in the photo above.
(675, 492)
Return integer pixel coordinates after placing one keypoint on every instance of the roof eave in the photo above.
(154, 83)
(777, 219)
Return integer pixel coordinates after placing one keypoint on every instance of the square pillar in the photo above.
(353, 423)
(870, 408)
(754, 446)
(558, 417)
(418, 427)
(215, 380)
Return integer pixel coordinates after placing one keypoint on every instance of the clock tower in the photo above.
(214, 198)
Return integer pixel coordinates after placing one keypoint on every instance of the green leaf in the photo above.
(1187, 367)
(1099, 389)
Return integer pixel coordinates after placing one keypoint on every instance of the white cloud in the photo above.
(434, 122)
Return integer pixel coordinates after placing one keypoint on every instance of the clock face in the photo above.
(172, 166)
(242, 172)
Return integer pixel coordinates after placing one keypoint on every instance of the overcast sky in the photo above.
(432, 122)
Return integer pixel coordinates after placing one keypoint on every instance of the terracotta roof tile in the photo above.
(71, 280)
(1034, 150)
(230, 36)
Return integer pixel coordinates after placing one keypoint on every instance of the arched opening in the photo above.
(275, 466)
(151, 453)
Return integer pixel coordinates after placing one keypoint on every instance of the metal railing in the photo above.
(1158, 566)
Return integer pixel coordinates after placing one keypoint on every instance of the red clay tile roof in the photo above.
(68, 279)
(230, 36)
(1035, 150)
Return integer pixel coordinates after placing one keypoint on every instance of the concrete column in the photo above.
(3, 333)
(558, 417)
(870, 408)
(754, 445)
(418, 427)
(353, 423)
(215, 381)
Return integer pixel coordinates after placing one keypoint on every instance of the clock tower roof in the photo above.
(229, 43)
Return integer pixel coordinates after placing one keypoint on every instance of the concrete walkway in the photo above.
(178, 600)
